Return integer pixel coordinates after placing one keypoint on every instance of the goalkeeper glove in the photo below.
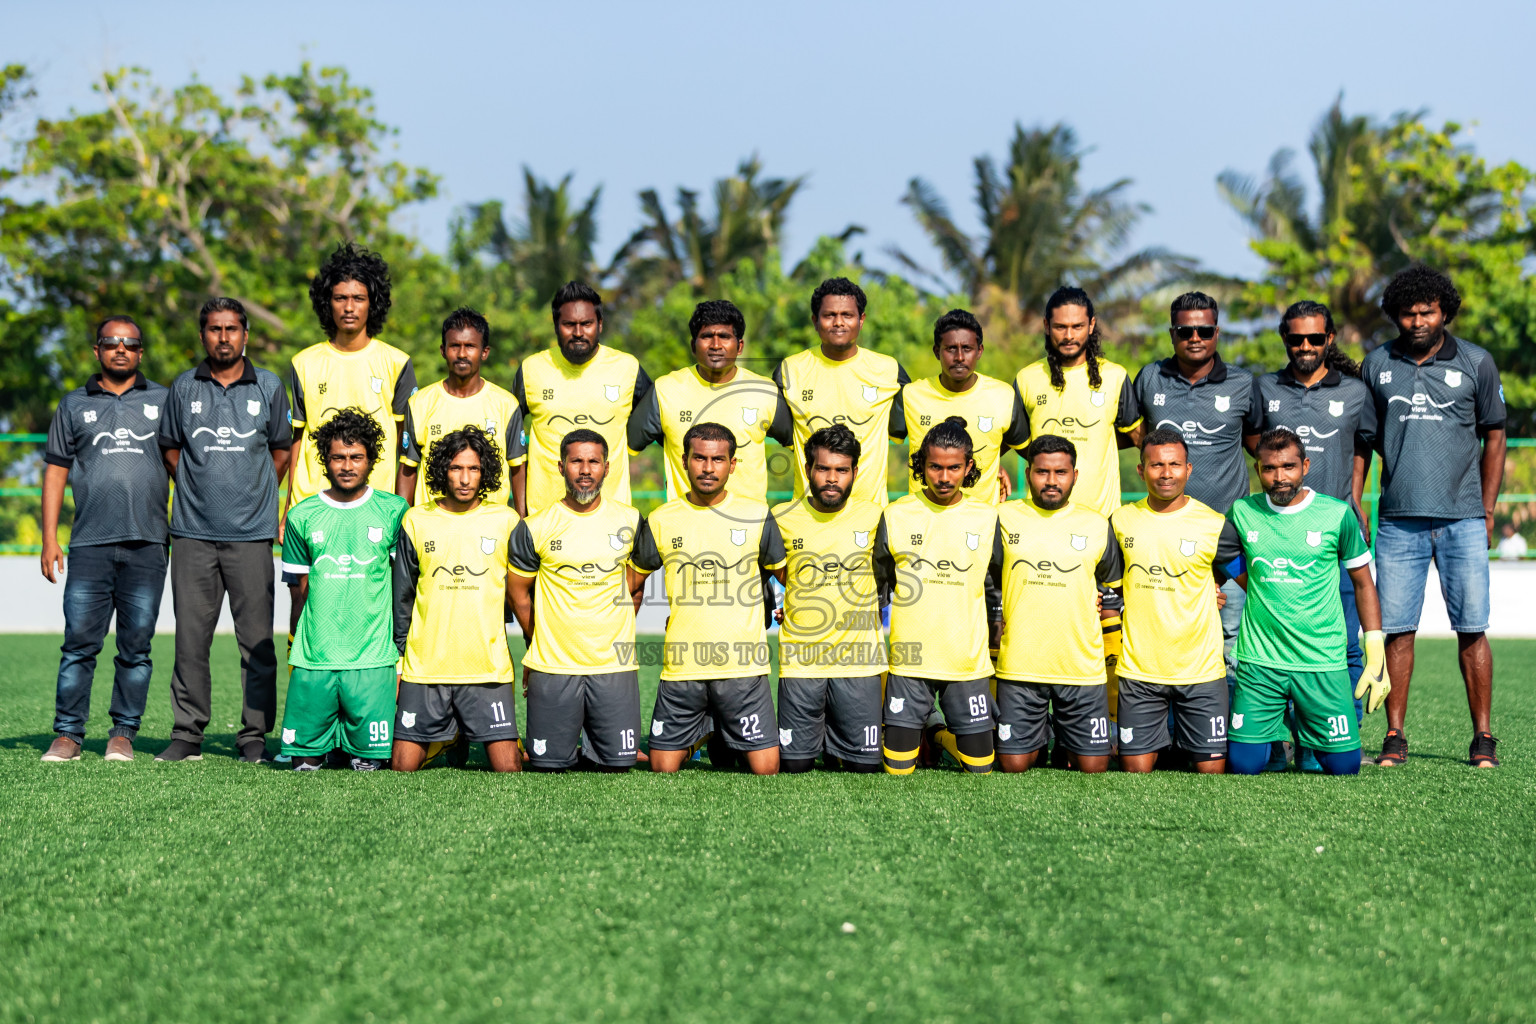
(1374, 680)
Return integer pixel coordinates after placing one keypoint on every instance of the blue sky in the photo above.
(859, 96)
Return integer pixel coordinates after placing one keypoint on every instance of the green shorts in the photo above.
(1325, 707)
(348, 708)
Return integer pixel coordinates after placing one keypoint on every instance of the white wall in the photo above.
(30, 604)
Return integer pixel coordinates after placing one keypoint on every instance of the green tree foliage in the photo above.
(1041, 229)
(550, 245)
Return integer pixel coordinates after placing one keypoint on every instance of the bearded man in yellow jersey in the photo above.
(715, 547)
(1075, 393)
(577, 382)
(451, 593)
(993, 413)
(831, 651)
(462, 399)
(937, 547)
(351, 299)
(1052, 556)
(841, 382)
(714, 390)
(1177, 551)
(579, 673)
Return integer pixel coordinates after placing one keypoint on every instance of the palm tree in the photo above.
(748, 222)
(1040, 230)
(550, 245)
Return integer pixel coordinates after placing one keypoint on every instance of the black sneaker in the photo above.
(181, 750)
(1481, 755)
(254, 752)
(1394, 749)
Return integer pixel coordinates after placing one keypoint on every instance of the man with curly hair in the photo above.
(452, 590)
(1441, 409)
(936, 545)
(351, 299)
(341, 689)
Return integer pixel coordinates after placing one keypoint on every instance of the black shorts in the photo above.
(1199, 716)
(686, 709)
(606, 706)
(1027, 711)
(840, 715)
(967, 705)
(437, 712)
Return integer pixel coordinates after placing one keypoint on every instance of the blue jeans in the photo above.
(1459, 548)
(101, 579)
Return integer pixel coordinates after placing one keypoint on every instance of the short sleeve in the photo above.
(279, 423)
(297, 387)
(998, 555)
(1128, 412)
(519, 392)
(782, 429)
(1253, 418)
(296, 553)
(1368, 426)
(410, 446)
(644, 556)
(1228, 563)
(897, 427)
(645, 423)
(521, 554)
(643, 387)
(516, 446)
(1111, 568)
(1491, 414)
(778, 377)
(172, 433)
(1353, 550)
(60, 450)
(1017, 435)
(884, 561)
(405, 387)
(770, 546)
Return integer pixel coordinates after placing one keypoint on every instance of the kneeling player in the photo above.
(714, 547)
(1053, 555)
(1292, 645)
(1173, 547)
(341, 688)
(579, 672)
(932, 546)
(450, 598)
(831, 652)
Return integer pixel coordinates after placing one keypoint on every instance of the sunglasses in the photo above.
(130, 344)
(1315, 340)
(1206, 332)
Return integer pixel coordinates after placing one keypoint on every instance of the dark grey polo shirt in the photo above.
(1335, 419)
(1432, 418)
(225, 487)
(109, 445)
(1212, 414)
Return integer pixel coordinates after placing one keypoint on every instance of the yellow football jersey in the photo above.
(559, 396)
(583, 616)
(378, 378)
(860, 393)
(831, 621)
(939, 555)
(993, 417)
(432, 413)
(1052, 564)
(749, 404)
(1089, 418)
(714, 559)
(1172, 628)
(451, 593)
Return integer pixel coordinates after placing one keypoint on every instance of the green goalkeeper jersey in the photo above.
(1294, 618)
(344, 549)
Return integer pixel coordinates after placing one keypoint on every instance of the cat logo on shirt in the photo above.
(984, 423)
(1335, 408)
(871, 392)
(1187, 547)
(861, 538)
(973, 540)
(1097, 398)
(749, 416)
(611, 392)
(1223, 403)
(377, 383)
(738, 537)
(1079, 542)
(488, 545)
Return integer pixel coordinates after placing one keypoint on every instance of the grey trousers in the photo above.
(202, 572)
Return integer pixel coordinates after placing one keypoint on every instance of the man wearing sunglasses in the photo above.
(1210, 404)
(102, 442)
(1320, 397)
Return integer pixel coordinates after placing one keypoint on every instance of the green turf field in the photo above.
(225, 892)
